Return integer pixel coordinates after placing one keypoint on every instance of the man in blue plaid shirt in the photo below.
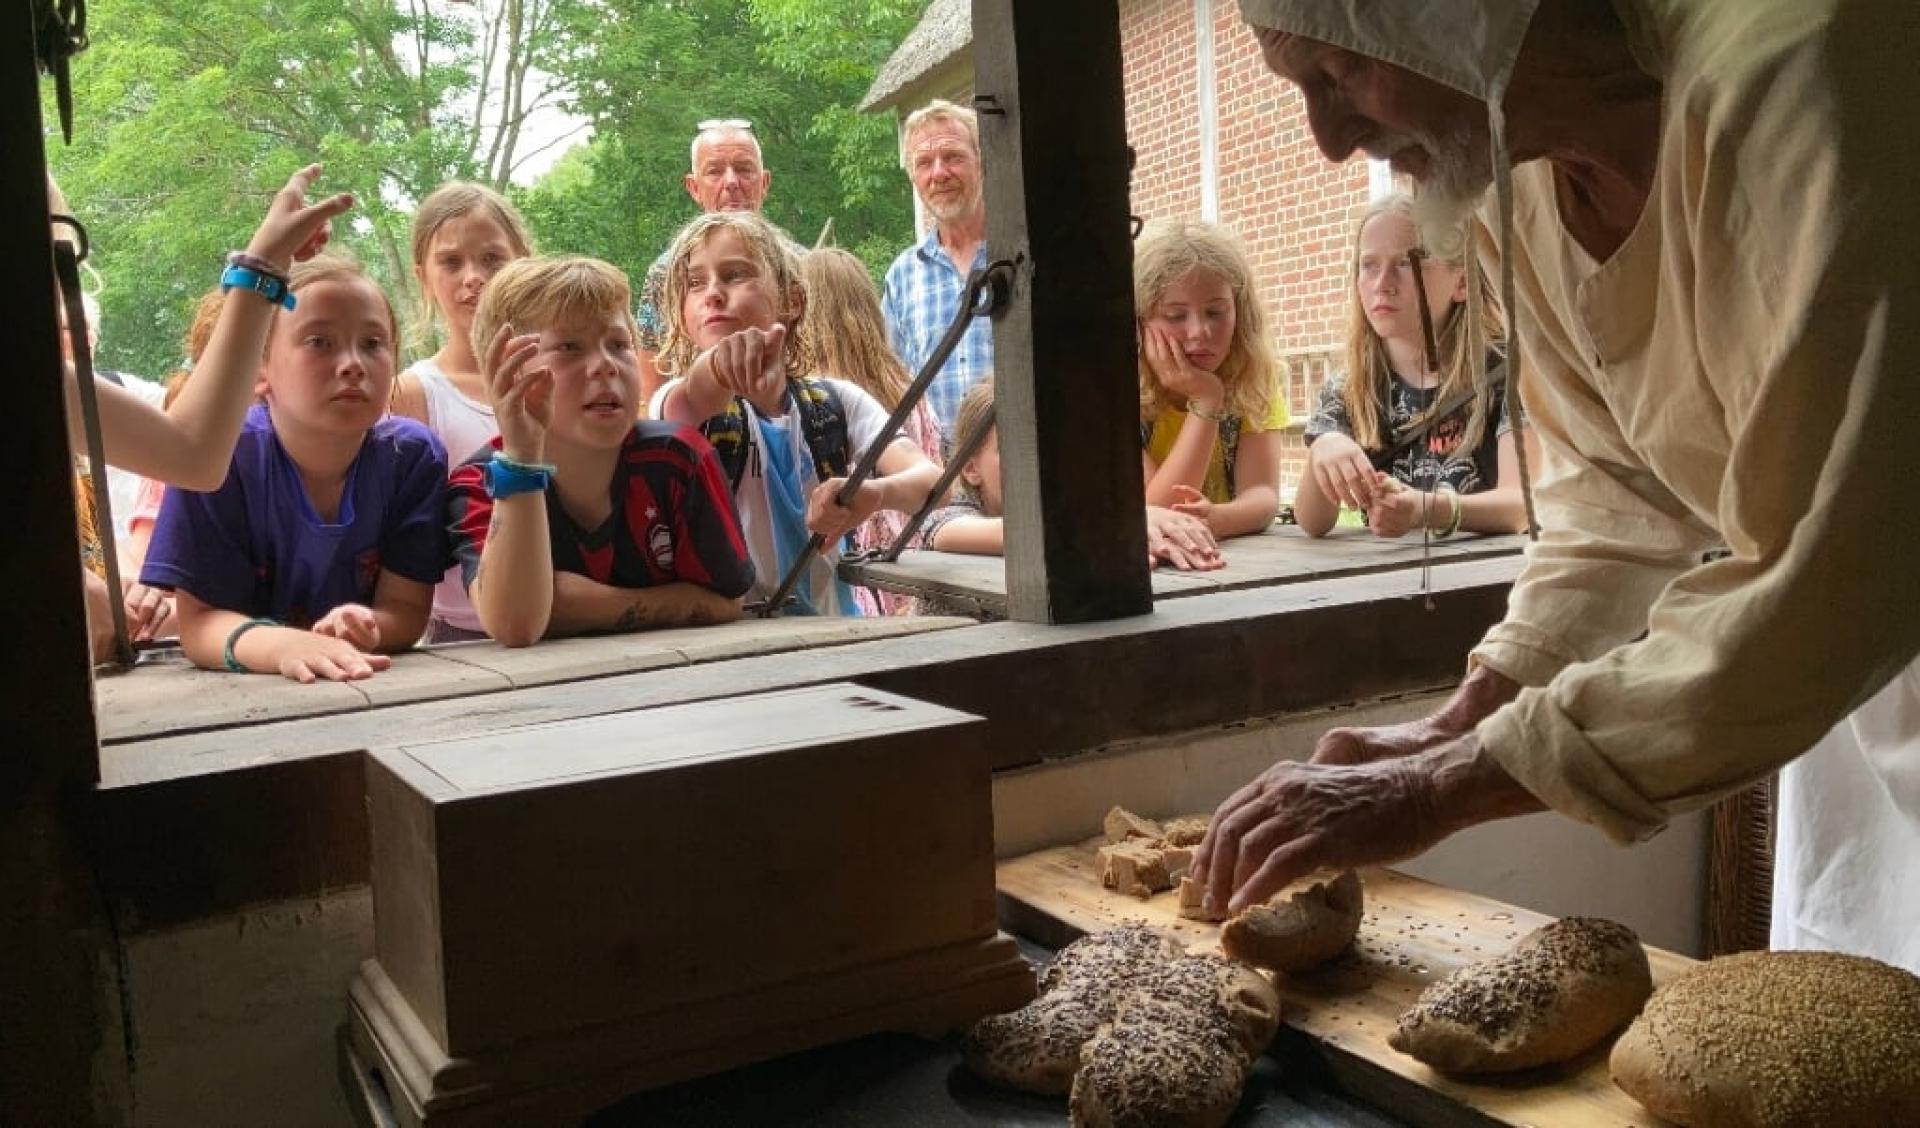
(925, 284)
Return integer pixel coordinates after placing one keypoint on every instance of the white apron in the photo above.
(1846, 870)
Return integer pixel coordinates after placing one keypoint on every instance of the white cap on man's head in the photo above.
(1469, 45)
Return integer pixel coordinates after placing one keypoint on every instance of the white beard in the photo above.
(1444, 205)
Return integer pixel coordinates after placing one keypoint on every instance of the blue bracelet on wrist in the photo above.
(504, 477)
(269, 286)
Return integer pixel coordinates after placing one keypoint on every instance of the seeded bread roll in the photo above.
(1179, 1047)
(1766, 1039)
(1159, 1064)
(1239, 999)
(1114, 957)
(1308, 928)
(1556, 993)
(1037, 1048)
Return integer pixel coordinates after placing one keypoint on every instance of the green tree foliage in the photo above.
(795, 68)
(190, 113)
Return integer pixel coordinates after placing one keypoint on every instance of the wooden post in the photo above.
(1053, 142)
(56, 985)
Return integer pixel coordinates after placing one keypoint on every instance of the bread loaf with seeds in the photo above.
(1772, 1039)
(1179, 1049)
(1037, 1048)
(1558, 992)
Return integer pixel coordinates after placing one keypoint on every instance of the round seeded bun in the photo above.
(1762, 1039)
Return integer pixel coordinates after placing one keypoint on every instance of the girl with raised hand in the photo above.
(190, 443)
(1211, 401)
(1461, 471)
(316, 556)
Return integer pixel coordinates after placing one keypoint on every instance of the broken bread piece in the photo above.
(1563, 988)
(1135, 866)
(1122, 824)
(1193, 901)
(1187, 830)
(1308, 928)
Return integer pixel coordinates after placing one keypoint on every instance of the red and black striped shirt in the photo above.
(673, 518)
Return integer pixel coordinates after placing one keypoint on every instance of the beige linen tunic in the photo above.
(1744, 370)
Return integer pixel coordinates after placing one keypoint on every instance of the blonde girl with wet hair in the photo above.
(1211, 401)
(849, 338)
(737, 346)
(1461, 472)
(463, 234)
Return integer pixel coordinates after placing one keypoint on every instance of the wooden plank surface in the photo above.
(1414, 933)
(1281, 555)
(167, 695)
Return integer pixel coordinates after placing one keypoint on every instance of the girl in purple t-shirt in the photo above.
(317, 556)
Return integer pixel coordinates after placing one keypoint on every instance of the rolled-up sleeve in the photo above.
(1801, 272)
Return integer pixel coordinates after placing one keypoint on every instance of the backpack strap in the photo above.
(823, 423)
(732, 440)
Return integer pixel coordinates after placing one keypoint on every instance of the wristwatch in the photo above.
(504, 477)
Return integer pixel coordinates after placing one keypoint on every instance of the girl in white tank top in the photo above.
(462, 235)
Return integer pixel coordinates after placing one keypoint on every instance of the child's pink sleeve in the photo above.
(146, 503)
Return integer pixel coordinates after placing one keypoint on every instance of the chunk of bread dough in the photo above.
(1307, 928)
(1557, 992)
(1134, 866)
(1122, 824)
(1187, 830)
(1770, 1039)
(1193, 896)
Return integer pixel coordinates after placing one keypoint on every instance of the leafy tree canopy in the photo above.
(190, 113)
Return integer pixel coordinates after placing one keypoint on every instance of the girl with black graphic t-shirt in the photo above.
(1460, 471)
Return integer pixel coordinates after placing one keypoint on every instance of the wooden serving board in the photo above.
(1413, 933)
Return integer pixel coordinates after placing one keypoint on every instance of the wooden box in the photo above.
(565, 913)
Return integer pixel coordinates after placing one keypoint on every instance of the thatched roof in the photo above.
(944, 33)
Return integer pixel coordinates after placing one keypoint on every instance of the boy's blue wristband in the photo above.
(234, 664)
(269, 286)
(504, 477)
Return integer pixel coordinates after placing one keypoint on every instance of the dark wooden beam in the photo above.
(56, 975)
(1054, 145)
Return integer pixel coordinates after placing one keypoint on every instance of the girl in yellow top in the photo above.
(1211, 406)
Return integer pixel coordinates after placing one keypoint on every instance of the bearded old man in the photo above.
(926, 282)
(1705, 212)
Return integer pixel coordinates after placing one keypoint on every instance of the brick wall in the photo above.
(1293, 210)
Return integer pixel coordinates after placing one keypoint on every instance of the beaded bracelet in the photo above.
(233, 662)
(257, 264)
(1208, 414)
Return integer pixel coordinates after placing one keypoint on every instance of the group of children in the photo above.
(514, 486)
